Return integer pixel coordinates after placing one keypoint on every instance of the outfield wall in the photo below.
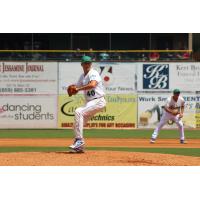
(33, 94)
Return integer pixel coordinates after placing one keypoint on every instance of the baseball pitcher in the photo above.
(91, 84)
(173, 110)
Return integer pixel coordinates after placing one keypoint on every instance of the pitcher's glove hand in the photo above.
(72, 90)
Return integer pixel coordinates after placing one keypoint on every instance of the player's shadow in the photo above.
(67, 152)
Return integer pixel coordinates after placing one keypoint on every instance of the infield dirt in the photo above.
(101, 142)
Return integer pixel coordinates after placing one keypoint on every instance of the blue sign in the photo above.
(155, 76)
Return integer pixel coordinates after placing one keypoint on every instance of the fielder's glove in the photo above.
(175, 111)
(72, 90)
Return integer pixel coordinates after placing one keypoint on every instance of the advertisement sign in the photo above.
(28, 78)
(167, 76)
(155, 76)
(28, 112)
(150, 110)
(118, 78)
(69, 73)
(197, 116)
(120, 112)
(185, 76)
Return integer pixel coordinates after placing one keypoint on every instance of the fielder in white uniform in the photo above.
(173, 110)
(91, 84)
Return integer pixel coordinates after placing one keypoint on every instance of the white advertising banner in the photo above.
(185, 76)
(28, 112)
(28, 78)
(69, 73)
(150, 110)
(167, 76)
(118, 78)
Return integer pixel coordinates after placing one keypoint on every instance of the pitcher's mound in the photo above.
(96, 158)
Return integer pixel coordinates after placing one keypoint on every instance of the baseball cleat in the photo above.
(152, 141)
(183, 142)
(78, 143)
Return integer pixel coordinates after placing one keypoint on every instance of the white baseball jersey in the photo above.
(168, 116)
(174, 104)
(93, 93)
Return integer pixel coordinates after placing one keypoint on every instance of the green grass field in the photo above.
(175, 151)
(94, 133)
(170, 134)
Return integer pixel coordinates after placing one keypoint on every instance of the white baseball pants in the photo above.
(84, 113)
(164, 119)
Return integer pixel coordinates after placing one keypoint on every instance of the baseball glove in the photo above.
(72, 90)
(175, 111)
